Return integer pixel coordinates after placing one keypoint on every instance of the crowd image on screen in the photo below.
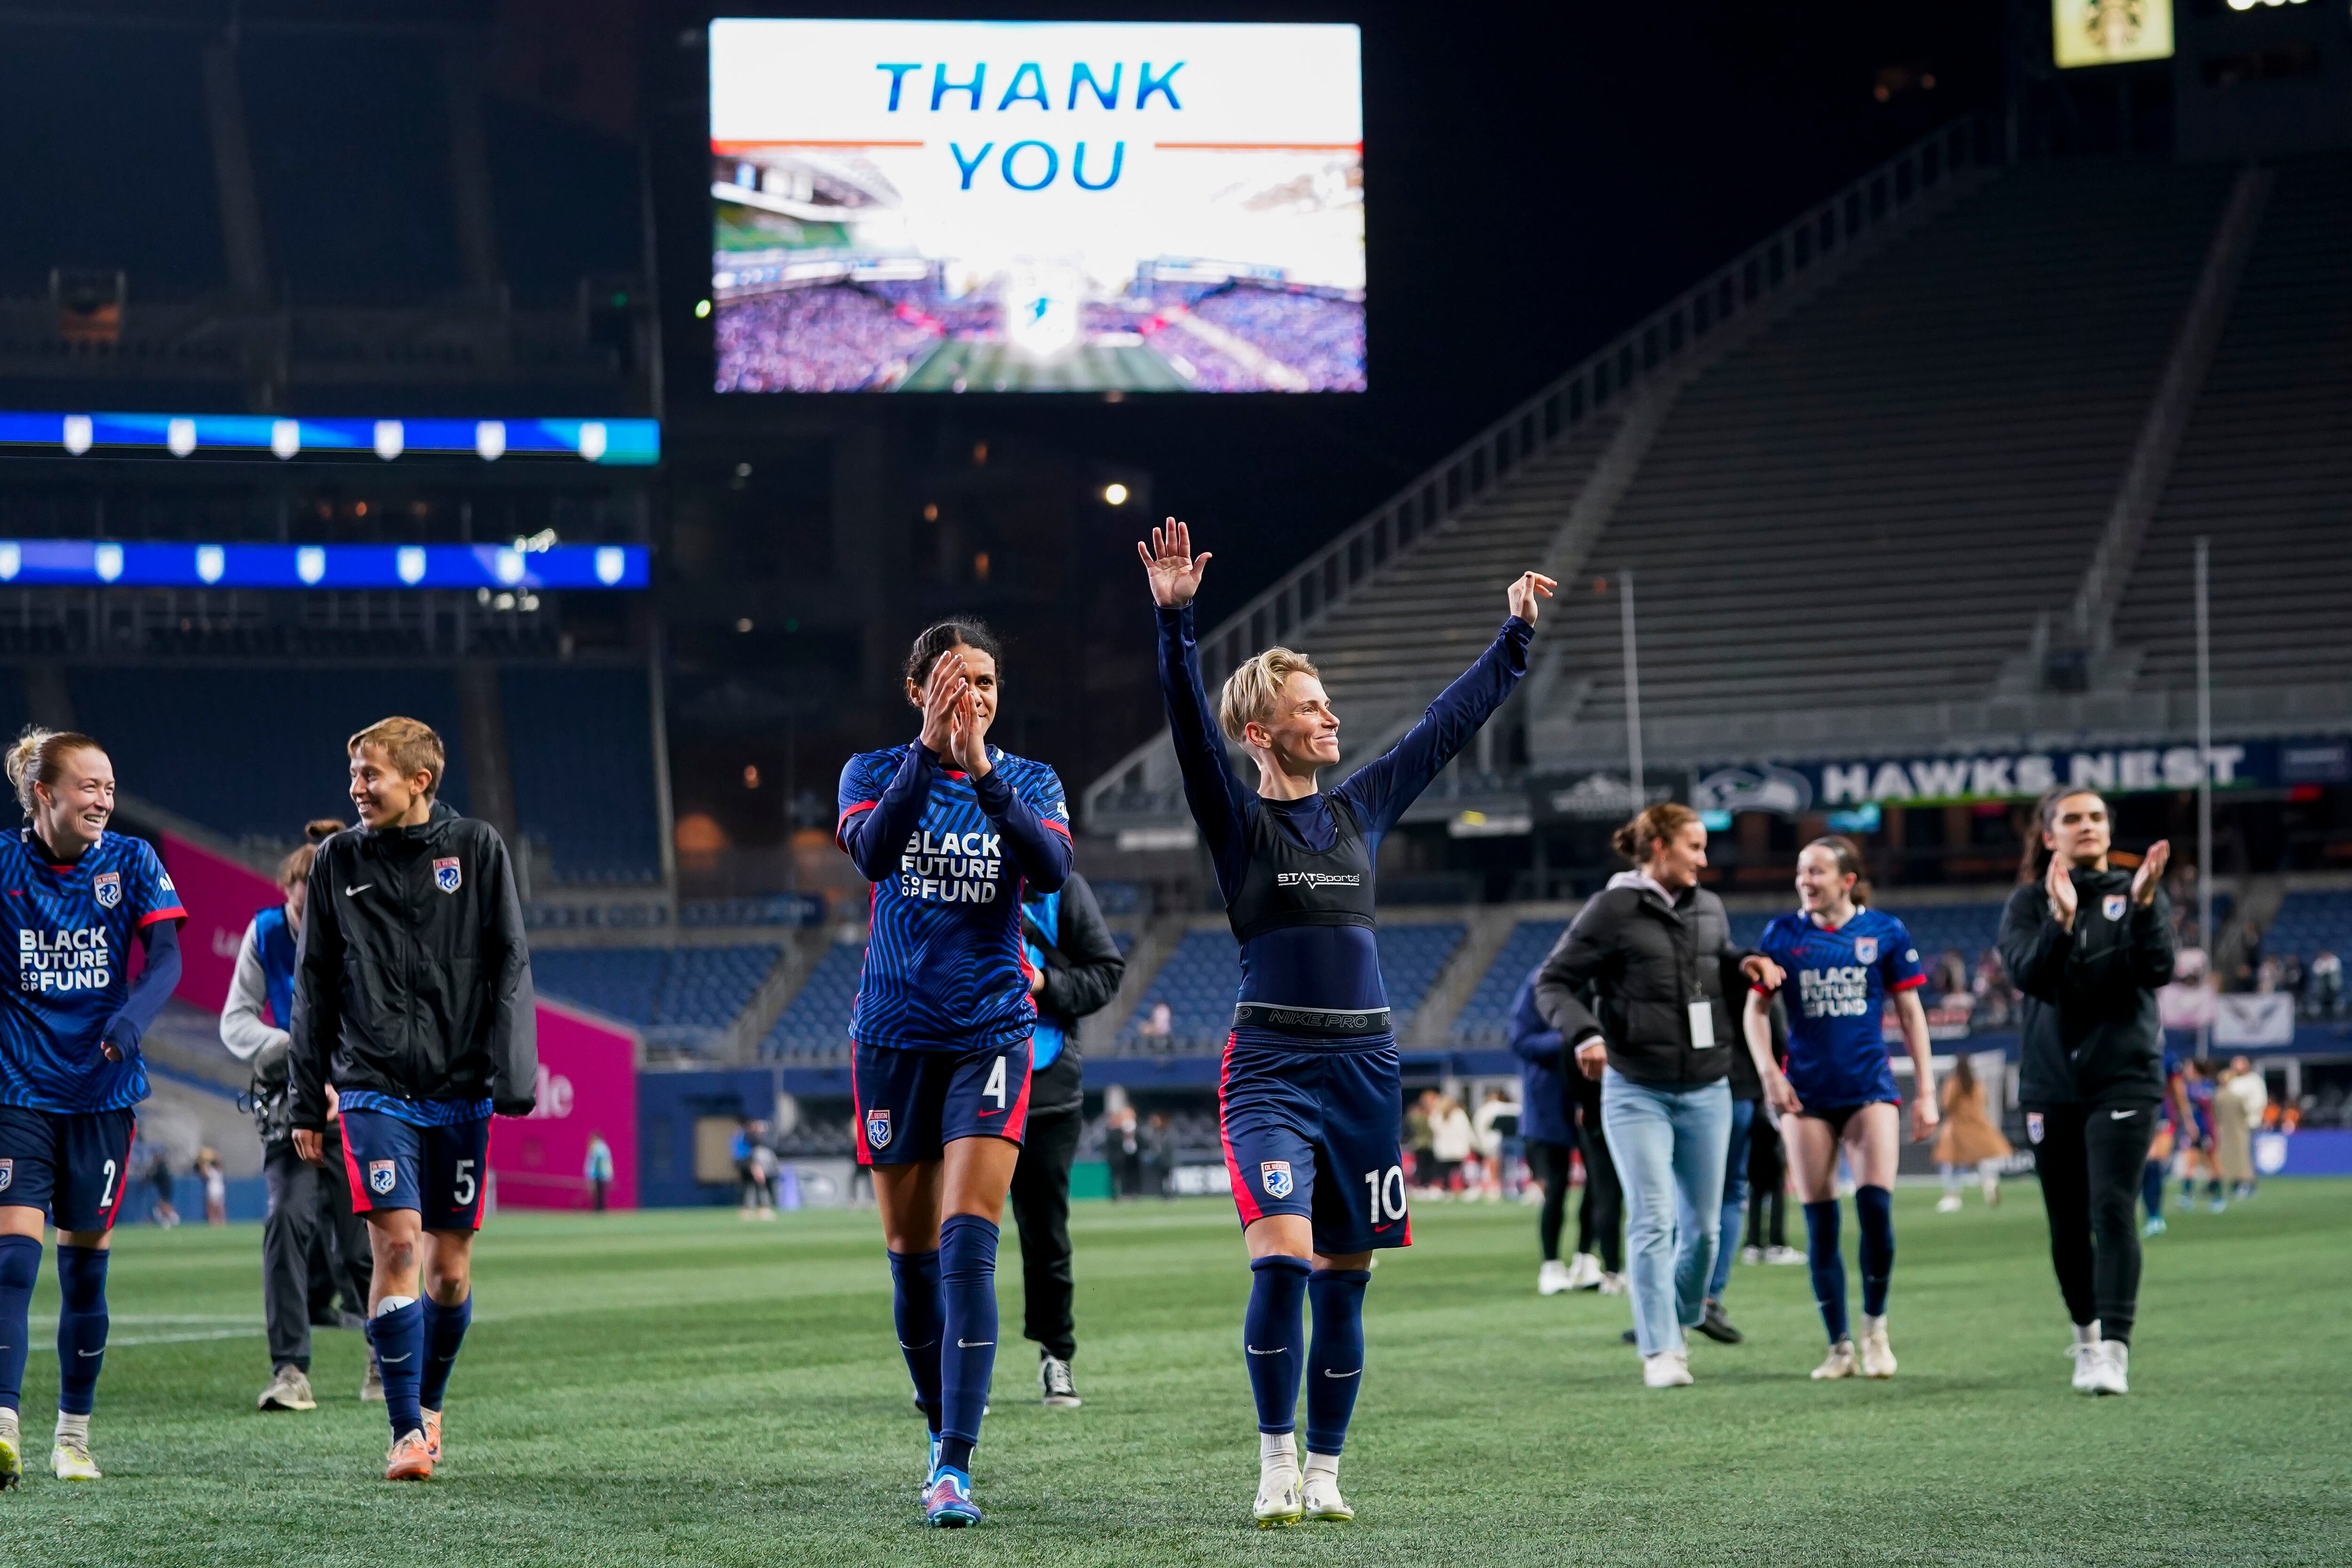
(831, 339)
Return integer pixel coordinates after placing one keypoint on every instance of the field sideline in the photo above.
(681, 1387)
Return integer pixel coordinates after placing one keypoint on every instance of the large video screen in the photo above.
(1036, 207)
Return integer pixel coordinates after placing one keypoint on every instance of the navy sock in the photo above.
(967, 1332)
(444, 1330)
(2151, 1188)
(20, 1266)
(81, 1326)
(1335, 1356)
(1272, 1336)
(398, 1337)
(1875, 1207)
(1828, 1265)
(914, 1302)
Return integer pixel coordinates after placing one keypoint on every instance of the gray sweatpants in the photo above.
(314, 1250)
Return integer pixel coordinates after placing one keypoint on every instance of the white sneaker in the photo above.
(2108, 1367)
(1751, 1255)
(289, 1390)
(1667, 1369)
(1877, 1358)
(1278, 1500)
(1783, 1254)
(1319, 1497)
(1840, 1363)
(1613, 1284)
(1055, 1386)
(1948, 1204)
(1584, 1272)
(2087, 1357)
(1554, 1279)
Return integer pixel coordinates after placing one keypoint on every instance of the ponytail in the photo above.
(1639, 839)
(39, 757)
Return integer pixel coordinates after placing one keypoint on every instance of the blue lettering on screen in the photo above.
(1034, 93)
(941, 86)
(1053, 166)
(1078, 167)
(898, 80)
(1028, 84)
(1106, 96)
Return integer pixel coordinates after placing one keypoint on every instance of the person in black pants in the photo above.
(1548, 1128)
(1767, 1202)
(1075, 969)
(1600, 1216)
(2087, 945)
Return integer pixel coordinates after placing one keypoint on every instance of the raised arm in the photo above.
(1219, 801)
(1040, 846)
(1383, 787)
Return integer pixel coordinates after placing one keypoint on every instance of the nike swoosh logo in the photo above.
(924, 1346)
(392, 1360)
(2121, 1115)
(1358, 1373)
(355, 892)
(1275, 1351)
(99, 1351)
(973, 1344)
(986, 1114)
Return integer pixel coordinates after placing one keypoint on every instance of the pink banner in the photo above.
(587, 1084)
(587, 1068)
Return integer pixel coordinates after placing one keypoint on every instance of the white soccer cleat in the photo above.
(1319, 1497)
(1877, 1356)
(2108, 1367)
(1667, 1369)
(70, 1460)
(1948, 1204)
(1839, 1364)
(1279, 1502)
(12, 1453)
(1554, 1279)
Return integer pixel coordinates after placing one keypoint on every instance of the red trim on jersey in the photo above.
(1913, 983)
(1242, 1200)
(174, 913)
(1056, 826)
(1016, 1119)
(362, 1202)
(857, 1112)
(121, 1182)
(843, 820)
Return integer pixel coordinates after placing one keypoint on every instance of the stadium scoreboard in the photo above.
(996, 206)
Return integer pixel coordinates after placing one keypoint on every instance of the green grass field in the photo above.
(686, 1388)
(996, 367)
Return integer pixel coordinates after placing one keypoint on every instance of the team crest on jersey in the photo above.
(1865, 950)
(381, 1177)
(447, 875)
(107, 887)
(2112, 906)
(7, 1175)
(2034, 1126)
(1274, 1176)
(878, 1127)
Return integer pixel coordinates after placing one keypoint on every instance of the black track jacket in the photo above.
(2087, 1017)
(412, 976)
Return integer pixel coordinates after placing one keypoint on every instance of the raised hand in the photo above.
(1173, 569)
(942, 695)
(2060, 885)
(1523, 591)
(968, 734)
(1762, 971)
(2150, 875)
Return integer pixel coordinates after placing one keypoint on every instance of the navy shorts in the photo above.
(436, 1170)
(73, 1165)
(911, 1105)
(1314, 1132)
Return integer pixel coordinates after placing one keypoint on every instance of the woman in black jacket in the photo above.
(1075, 969)
(1635, 987)
(2087, 945)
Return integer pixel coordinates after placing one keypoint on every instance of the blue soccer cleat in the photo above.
(946, 1501)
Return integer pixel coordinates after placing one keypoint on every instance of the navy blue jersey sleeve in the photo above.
(1220, 804)
(153, 987)
(153, 897)
(1383, 788)
(874, 823)
(1898, 959)
(1035, 821)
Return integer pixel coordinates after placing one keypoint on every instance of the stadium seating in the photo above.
(130, 182)
(698, 987)
(350, 149)
(578, 741)
(815, 1026)
(1199, 977)
(2265, 465)
(254, 753)
(1485, 1019)
(2306, 922)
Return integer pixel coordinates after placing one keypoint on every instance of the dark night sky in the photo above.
(1537, 177)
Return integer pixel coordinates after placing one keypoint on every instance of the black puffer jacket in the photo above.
(2087, 1011)
(413, 977)
(1628, 969)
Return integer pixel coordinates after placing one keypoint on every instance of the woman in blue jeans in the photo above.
(1636, 986)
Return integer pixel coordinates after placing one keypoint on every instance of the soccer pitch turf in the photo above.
(995, 367)
(681, 1387)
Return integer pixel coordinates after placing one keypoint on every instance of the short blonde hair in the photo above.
(1255, 686)
(410, 743)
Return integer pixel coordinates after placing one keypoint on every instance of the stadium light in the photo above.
(1116, 494)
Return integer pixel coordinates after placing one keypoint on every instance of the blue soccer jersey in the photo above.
(1836, 993)
(75, 926)
(946, 969)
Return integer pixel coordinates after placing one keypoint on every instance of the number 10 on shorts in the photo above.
(1384, 1193)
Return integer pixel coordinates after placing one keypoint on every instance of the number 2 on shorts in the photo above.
(1385, 1190)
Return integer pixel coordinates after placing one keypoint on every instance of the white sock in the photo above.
(1277, 1450)
(1873, 1325)
(74, 1426)
(1324, 1465)
(392, 1304)
(2087, 1333)
(8, 1423)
